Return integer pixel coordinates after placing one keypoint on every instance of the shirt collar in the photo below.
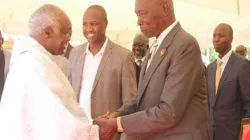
(140, 59)
(165, 33)
(225, 58)
(102, 49)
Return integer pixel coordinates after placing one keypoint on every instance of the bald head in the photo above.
(99, 9)
(47, 15)
(227, 28)
(154, 16)
(241, 51)
(141, 38)
(140, 45)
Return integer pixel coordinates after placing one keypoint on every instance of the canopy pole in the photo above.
(238, 7)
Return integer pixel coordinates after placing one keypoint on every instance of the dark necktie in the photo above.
(2, 64)
(139, 63)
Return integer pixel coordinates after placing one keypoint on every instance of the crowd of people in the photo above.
(101, 90)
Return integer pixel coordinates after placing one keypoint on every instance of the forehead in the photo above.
(144, 5)
(240, 48)
(222, 29)
(93, 15)
(64, 22)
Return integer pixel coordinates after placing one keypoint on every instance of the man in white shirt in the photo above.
(228, 80)
(38, 102)
(139, 48)
(5, 56)
(101, 72)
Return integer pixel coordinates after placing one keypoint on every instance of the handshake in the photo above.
(107, 125)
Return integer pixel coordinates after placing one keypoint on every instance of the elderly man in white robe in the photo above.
(38, 102)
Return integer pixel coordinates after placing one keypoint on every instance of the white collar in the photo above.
(140, 59)
(102, 49)
(165, 33)
(225, 58)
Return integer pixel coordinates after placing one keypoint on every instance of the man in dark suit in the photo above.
(228, 80)
(140, 47)
(172, 101)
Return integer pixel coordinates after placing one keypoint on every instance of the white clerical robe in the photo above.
(38, 102)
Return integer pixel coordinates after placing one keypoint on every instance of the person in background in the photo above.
(5, 56)
(241, 51)
(38, 102)
(228, 80)
(139, 48)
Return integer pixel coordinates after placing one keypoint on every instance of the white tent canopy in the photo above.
(199, 17)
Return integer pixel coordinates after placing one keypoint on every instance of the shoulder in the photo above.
(119, 50)
(209, 66)
(187, 38)
(78, 48)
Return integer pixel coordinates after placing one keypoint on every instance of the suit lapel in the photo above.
(212, 80)
(103, 62)
(80, 60)
(156, 60)
(144, 66)
(224, 75)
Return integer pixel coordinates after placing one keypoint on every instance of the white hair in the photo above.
(45, 16)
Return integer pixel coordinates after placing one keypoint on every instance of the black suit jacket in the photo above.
(137, 69)
(232, 102)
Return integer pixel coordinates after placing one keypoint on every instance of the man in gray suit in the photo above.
(228, 84)
(172, 101)
(101, 72)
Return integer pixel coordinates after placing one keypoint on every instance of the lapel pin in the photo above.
(163, 51)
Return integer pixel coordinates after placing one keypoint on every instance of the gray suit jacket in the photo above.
(232, 102)
(172, 99)
(115, 81)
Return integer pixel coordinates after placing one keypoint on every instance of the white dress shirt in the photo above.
(91, 66)
(164, 34)
(224, 61)
(137, 60)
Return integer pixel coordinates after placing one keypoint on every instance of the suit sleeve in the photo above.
(244, 82)
(129, 86)
(184, 73)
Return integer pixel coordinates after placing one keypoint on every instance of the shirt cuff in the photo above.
(119, 125)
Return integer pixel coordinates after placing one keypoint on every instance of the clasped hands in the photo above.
(107, 125)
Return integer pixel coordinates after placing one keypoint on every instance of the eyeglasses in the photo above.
(139, 44)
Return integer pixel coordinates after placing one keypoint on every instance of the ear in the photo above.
(166, 9)
(48, 31)
(106, 24)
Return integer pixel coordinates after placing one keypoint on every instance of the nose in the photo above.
(88, 28)
(139, 21)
